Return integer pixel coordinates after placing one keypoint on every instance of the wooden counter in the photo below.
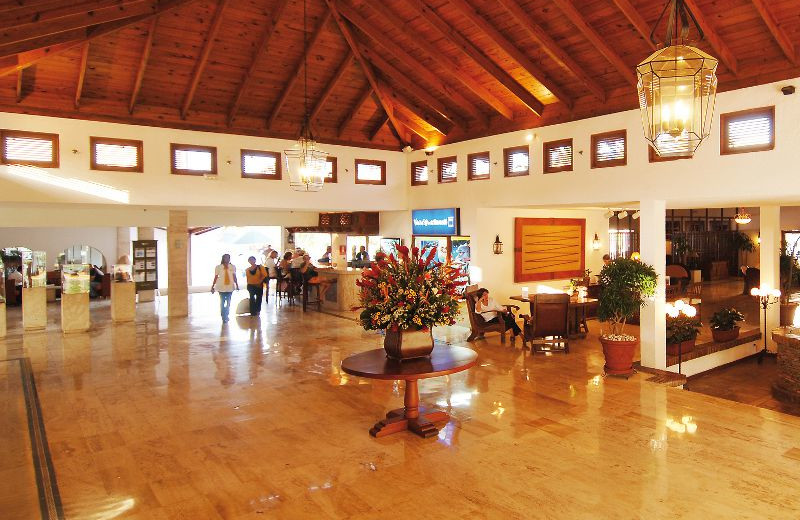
(343, 296)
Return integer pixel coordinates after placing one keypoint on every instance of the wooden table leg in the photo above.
(412, 417)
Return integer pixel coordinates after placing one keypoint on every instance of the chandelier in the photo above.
(305, 163)
(742, 217)
(677, 87)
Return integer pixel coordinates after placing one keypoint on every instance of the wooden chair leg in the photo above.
(502, 337)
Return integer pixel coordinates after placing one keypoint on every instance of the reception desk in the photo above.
(343, 295)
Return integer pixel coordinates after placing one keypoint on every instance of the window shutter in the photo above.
(331, 174)
(370, 172)
(261, 165)
(517, 161)
(609, 149)
(558, 156)
(116, 154)
(748, 131)
(32, 148)
(419, 173)
(194, 160)
(448, 169)
(478, 166)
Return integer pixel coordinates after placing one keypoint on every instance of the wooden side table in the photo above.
(374, 364)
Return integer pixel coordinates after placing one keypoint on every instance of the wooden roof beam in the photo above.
(713, 39)
(20, 72)
(598, 41)
(81, 74)
(329, 88)
(552, 48)
(352, 113)
(26, 12)
(446, 63)
(783, 41)
(260, 51)
(23, 60)
(466, 47)
(636, 19)
(216, 22)
(437, 122)
(348, 36)
(148, 46)
(412, 125)
(514, 52)
(374, 133)
(298, 71)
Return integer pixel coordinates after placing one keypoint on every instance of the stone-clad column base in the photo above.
(123, 302)
(75, 313)
(787, 386)
(34, 308)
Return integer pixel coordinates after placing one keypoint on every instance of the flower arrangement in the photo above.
(412, 291)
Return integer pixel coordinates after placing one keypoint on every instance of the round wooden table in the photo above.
(374, 364)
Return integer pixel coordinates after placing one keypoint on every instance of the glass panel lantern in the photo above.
(677, 89)
(306, 165)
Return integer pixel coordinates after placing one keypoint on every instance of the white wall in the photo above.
(54, 241)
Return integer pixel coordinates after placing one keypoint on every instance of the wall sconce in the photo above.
(429, 150)
(636, 215)
(596, 242)
(497, 247)
(622, 214)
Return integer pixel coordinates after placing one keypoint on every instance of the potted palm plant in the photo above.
(723, 324)
(625, 285)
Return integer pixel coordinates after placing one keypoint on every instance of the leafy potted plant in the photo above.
(723, 324)
(682, 331)
(406, 296)
(625, 285)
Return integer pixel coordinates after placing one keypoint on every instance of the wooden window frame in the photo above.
(723, 130)
(173, 147)
(507, 152)
(615, 162)
(471, 176)
(262, 153)
(414, 167)
(653, 157)
(94, 141)
(334, 178)
(371, 162)
(53, 138)
(440, 162)
(549, 145)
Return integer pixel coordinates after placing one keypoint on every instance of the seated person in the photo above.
(362, 255)
(96, 286)
(311, 276)
(491, 312)
(326, 258)
(297, 259)
(16, 275)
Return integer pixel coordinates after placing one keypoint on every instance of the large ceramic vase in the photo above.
(408, 344)
(673, 349)
(787, 313)
(619, 356)
(721, 336)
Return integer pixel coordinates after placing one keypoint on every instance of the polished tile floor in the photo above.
(190, 419)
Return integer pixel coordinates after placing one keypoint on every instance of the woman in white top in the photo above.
(225, 274)
(491, 312)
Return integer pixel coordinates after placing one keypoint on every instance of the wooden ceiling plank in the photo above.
(352, 113)
(446, 63)
(514, 52)
(467, 48)
(30, 31)
(216, 22)
(558, 54)
(29, 14)
(329, 88)
(636, 19)
(20, 72)
(298, 71)
(413, 64)
(348, 36)
(260, 51)
(374, 132)
(7, 6)
(148, 46)
(20, 61)
(713, 39)
(782, 40)
(598, 41)
(81, 74)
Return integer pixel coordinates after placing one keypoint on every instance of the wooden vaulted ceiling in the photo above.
(380, 73)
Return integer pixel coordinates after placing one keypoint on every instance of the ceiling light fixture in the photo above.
(305, 163)
(622, 214)
(636, 215)
(608, 214)
(677, 87)
(742, 217)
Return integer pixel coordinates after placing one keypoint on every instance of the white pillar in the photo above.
(770, 219)
(653, 249)
(124, 235)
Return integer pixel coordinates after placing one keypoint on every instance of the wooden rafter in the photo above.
(377, 36)
(552, 48)
(260, 51)
(374, 132)
(437, 122)
(348, 36)
(362, 99)
(412, 125)
(636, 19)
(148, 46)
(200, 66)
(81, 74)
(445, 63)
(20, 73)
(328, 90)
(598, 41)
(26, 12)
(466, 47)
(713, 39)
(298, 71)
(516, 54)
(782, 40)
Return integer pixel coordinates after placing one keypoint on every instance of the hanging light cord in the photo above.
(677, 9)
(306, 130)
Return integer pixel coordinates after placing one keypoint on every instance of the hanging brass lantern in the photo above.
(497, 247)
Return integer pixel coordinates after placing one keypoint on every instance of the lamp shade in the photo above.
(677, 87)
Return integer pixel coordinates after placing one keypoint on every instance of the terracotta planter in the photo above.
(408, 344)
(619, 356)
(685, 346)
(721, 336)
(787, 313)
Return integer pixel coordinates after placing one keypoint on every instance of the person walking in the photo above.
(255, 285)
(225, 274)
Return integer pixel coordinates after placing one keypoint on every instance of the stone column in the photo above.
(178, 263)
(769, 252)
(123, 242)
(146, 233)
(653, 248)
